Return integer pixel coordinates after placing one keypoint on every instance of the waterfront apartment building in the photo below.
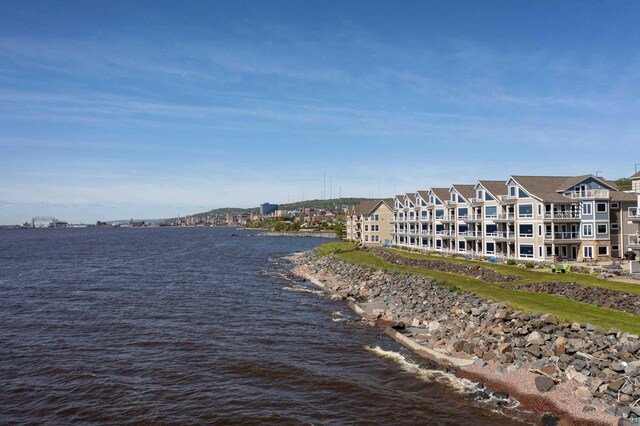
(368, 223)
(542, 218)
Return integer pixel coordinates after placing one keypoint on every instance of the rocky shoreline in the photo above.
(577, 371)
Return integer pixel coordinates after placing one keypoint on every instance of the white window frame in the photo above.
(606, 209)
(590, 208)
(585, 251)
(521, 235)
(606, 253)
(606, 228)
(615, 226)
(588, 226)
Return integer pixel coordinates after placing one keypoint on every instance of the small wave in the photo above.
(426, 374)
(302, 290)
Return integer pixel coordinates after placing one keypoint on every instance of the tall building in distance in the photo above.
(266, 209)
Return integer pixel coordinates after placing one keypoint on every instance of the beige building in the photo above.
(368, 223)
(542, 218)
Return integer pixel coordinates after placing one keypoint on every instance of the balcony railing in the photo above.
(471, 218)
(562, 215)
(634, 241)
(562, 236)
(505, 217)
(502, 235)
(446, 218)
(471, 234)
(634, 214)
(426, 233)
(588, 194)
(476, 200)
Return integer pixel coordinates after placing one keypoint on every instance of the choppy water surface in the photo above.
(195, 325)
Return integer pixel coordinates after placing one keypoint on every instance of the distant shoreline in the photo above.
(315, 234)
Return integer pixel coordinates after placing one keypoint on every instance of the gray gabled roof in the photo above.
(635, 176)
(494, 187)
(543, 187)
(467, 191)
(574, 180)
(442, 193)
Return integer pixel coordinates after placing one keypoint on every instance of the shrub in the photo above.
(511, 262)
(530, 265)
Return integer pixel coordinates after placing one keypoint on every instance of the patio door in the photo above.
(587, 252)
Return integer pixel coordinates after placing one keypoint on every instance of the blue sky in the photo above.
(111, 110)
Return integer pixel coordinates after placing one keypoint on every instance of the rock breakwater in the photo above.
(603, 365)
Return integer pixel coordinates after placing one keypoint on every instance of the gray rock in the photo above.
(632, 369)
(479, 363)
(544, 384)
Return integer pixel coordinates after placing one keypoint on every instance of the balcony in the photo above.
(412, 219)
(426, 233)
(471, 235)
(412, 233)
(506, 199)
(446, 219)
(589, 194)
(475, 201)
(562, 236)
(509, 217)
(445, 234)
(634, 214)
(503, 236)
(634, 242)
(472, 218)
(562, 217)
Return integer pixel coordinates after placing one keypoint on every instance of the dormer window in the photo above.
(512, 191)
(480, 194)
(454, 197)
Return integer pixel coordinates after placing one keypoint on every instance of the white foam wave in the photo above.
(425, 374)
(301, 289)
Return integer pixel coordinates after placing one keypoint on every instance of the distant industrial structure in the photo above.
(266, 209)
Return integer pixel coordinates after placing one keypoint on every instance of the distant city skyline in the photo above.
(113, 110)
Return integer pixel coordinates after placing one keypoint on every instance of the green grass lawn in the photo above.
(564, 309)
(532, 275)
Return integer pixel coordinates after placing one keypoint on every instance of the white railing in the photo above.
(446, 218)
(470, 217)
(505, 235)
(427, 233)
(506, 198)
(475, 200)
(634, 241)
(471, 234)
(562, 215)
(562, 236)
(589, 193)
(508, 216)
(444, 232)
(523, 235)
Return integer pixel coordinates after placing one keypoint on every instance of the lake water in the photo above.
(192, 326)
